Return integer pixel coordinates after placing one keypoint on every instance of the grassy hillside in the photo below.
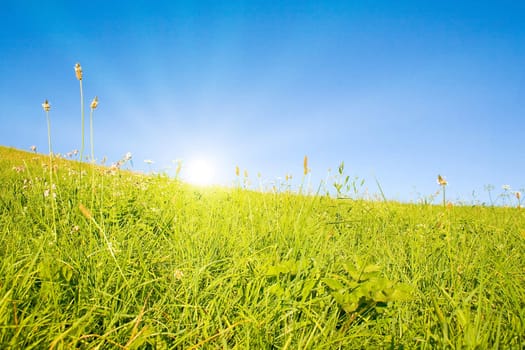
(93, 258)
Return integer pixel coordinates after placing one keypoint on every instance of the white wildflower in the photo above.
(178, 274)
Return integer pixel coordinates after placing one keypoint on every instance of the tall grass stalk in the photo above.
(47, 107)
(443, 183)
(93, 106)
(78, 73)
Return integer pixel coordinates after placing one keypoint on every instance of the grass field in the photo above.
(93, 258)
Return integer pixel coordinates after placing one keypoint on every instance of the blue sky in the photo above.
(400, 91)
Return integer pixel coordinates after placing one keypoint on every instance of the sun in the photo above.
(199, 172)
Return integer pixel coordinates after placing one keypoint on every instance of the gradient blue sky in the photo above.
(399, 90)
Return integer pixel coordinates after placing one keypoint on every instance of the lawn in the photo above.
(95, 257)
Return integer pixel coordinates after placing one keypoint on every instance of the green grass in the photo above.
(159, 264)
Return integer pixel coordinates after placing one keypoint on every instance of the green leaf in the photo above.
(276, 270)
(66, 272)
(402, 292)
(276, 290)
(332, 283)
(307, 288)
(350, 307)
(371, 268)
(356, 275)
(291, 267)
(348, 302)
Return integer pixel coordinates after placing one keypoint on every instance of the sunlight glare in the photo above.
(199, 172)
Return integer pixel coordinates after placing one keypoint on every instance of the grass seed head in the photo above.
(237, 171)
(46, 106)
(78, 71)
(305, 165)
(518, 195)
(85, 211)
(94, 103)
(179, 168)
(441, 181)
